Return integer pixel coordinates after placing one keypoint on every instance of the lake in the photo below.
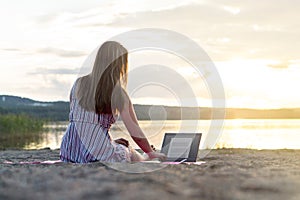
(236, 133)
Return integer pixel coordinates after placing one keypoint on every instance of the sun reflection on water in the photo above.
(237, 133)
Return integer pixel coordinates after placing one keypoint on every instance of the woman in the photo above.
(95, 101)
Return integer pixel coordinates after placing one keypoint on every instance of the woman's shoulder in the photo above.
(75, 87)
(125, 96)
(81, 81)
(75, 84)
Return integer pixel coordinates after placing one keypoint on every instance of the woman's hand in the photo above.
(155, 155)
(122, 141)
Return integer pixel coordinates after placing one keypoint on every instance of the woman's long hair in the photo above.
(101, 91)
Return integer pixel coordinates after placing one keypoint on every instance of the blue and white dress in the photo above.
(87, 138)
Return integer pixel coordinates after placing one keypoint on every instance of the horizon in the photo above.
(288, 108)
(253, 47)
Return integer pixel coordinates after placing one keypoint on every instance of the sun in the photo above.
(254, 83)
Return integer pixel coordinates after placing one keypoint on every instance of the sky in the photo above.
(254, 46)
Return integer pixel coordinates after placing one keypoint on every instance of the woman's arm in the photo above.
(130, 120)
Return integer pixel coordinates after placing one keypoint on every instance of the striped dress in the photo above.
(87, 137)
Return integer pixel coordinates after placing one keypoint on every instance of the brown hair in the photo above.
(101, 91)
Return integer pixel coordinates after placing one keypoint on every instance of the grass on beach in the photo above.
(18, 130)
(19, 124)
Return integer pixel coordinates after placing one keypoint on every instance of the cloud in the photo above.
(279, 65)
(61, 52)
(261, 31)
(54, 89)
(164, 82)
(47, 18)
(60, 71)
(11, 49)
(103, 13)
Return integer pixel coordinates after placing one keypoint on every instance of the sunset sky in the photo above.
(254, 45)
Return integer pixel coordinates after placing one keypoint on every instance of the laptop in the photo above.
(181, 147)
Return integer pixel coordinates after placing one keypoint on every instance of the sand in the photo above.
(226, 174)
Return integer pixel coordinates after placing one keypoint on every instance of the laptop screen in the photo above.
(181, 146)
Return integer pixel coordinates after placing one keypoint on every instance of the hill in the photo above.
(53, 111)
(59, 110)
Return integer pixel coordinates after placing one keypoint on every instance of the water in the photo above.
(236, 133)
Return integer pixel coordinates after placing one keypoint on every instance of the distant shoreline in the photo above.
(59, 110)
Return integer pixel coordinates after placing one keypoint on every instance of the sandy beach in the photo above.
(226, 174)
